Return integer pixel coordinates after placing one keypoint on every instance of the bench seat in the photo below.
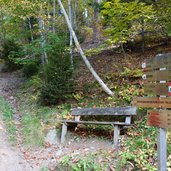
(126, 112)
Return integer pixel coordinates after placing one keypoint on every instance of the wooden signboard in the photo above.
(152, 102)
(160, 61)
(160, 75)
(156, 71)
(156, 89)
(159, 118)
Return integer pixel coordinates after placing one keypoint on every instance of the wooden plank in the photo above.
(152, 102)
(159, 118)
(159, 61)
(116, 136)
(97, 122)
(156, 89)
(64, 132)
(116, 111)
(160, 75)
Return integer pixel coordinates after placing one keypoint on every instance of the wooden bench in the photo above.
(125, 112)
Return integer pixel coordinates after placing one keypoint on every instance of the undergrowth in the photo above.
(7, 112)
(140, 149)
(97, 161)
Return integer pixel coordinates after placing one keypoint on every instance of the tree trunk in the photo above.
(70, 18)
(123, 50)
(143, 36)
(103, 85)
(44, 57)
(54, 15)
(31, 34)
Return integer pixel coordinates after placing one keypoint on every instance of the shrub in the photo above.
(58, 81)
(10, 50)
(31, 68)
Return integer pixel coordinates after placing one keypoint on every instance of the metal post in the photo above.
(162, 144)
(162, 150)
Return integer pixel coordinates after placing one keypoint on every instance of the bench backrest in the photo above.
(110, 111)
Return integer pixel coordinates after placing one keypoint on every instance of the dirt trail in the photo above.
(11, 159)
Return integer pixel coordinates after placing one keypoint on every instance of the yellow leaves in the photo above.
(78, 96)
(34, 97)
(107, 5)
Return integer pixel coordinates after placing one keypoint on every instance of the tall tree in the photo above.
(123, 20)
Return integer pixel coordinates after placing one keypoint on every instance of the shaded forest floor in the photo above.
(90, 147)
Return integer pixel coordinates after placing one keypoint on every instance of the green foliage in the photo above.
(163, 11)
(124, 19)
(7, 112)
(131, 73)
(58, 76)
(9, 52)
(77, 163)
(30, 68)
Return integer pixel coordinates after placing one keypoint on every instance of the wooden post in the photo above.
(116, 135)
(64, 132)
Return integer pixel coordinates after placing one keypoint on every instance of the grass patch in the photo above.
(7, 112)
(32, 130)
(37, 119)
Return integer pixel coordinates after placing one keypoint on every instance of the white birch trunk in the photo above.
(70, 18)
(44, 57)
(103, 85)
(30, 27)
(31, 34)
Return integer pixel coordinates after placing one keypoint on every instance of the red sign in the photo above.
(169, 88)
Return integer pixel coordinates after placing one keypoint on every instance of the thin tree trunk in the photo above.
(44, 57)
(123, 50)
(54, 15)
(70, 18)
(95, 21)
(74, 15)
(30, 27)
(143, 36)
(103, 85)
(31, 34)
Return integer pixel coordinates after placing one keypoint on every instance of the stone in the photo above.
(51, 137)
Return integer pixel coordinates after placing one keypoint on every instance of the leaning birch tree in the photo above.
(89, 66)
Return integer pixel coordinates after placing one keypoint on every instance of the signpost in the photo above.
(157, 87)
(159, 118)
(158, 75)
(152, 102)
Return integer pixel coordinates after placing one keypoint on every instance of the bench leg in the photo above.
(64, 132)
(116, 135)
